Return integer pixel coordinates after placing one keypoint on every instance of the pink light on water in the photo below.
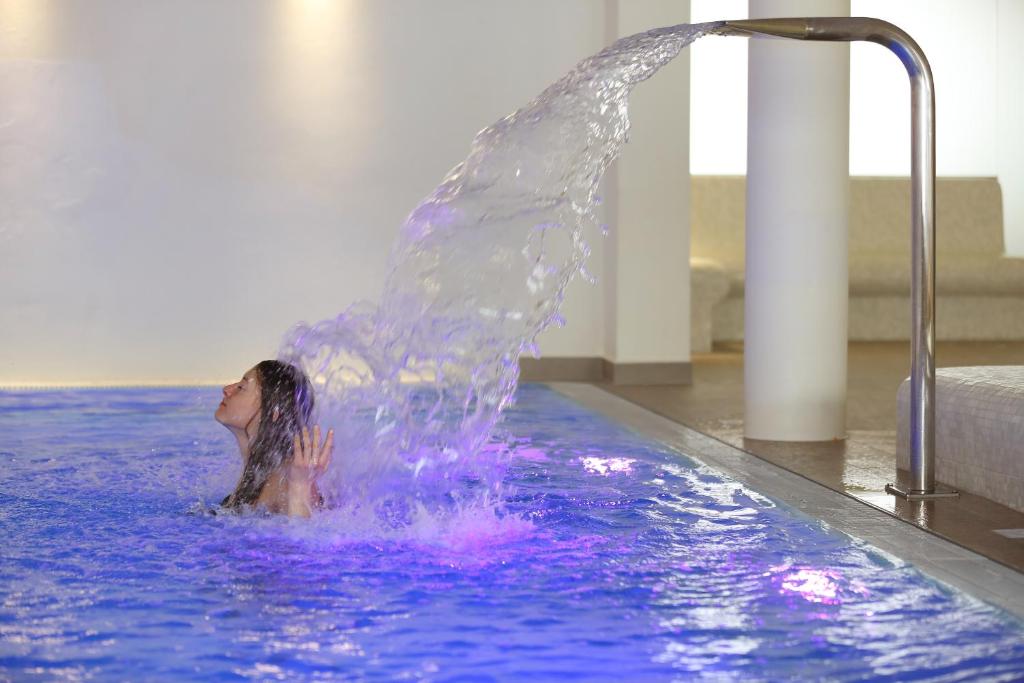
(606, 466)
(534, 454)
(814, 585)
(822, 586)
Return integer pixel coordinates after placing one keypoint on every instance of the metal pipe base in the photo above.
(908, 494)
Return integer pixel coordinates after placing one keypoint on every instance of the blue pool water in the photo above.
(633, 563)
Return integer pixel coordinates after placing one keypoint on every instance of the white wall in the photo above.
(977, 59)
(958, 36)
(183, 181)
(718, 93)
(1010, 119)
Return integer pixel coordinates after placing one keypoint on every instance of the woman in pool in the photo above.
(268, 411)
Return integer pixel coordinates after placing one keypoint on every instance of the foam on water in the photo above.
(415, 386)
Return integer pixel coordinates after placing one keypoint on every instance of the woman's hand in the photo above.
(310, 460)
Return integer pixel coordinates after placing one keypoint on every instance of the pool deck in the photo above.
(949, 562)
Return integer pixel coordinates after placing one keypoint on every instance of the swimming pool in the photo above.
(619, 558)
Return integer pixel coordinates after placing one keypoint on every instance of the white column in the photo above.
(796, 242)
(648, 205)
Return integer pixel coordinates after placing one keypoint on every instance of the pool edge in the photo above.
(940, 559)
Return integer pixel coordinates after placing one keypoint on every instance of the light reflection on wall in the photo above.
(26, 28)
(316, 77)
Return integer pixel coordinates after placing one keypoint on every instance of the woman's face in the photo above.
(241, 402)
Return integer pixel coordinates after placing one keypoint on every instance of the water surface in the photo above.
(616, 558)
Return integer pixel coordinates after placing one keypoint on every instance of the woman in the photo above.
(268, 411)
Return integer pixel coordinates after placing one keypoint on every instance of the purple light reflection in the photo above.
(814, 585)
(533, 454)
(606, 466)
(821, 586)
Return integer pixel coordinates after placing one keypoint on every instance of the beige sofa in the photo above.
(980, 290)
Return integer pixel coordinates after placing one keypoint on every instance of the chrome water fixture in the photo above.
(922, 172)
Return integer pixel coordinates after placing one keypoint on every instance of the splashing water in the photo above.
(415, 386)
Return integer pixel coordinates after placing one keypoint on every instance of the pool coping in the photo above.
(942, 560)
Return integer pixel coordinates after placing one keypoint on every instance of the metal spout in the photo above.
(922, 163)
(780, 28)
(842, 29)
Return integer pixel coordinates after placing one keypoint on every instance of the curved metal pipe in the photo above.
(922, 172)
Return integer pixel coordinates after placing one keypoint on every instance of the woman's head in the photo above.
(240, 408)
(271, 403)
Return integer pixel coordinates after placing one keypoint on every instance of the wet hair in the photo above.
(286, 390)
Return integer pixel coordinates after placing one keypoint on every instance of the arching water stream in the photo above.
(415, 385)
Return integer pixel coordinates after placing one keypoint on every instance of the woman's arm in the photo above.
(300, 500)
(309, 461)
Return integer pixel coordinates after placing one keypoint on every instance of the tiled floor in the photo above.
(863, 464)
